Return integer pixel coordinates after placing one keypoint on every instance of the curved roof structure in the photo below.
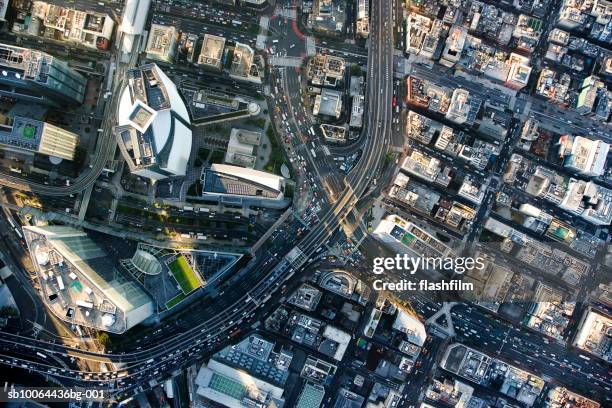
(154, 130)
(146, 262)
(224, 179)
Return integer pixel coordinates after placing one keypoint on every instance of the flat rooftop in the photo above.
(212, 50)
(23, 133)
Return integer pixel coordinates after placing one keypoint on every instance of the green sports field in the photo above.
(184, 275)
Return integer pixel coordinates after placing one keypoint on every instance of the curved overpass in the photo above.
(105, 148)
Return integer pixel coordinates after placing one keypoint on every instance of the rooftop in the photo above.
(411, 326)
(594, 334)
(311, 396)
(243, 63)
(235, 388)
(222, 179)
(81, 284)
(212, 51)
(408, 238)
(154, 129)
(88, 28)
(241, 147)
(162, 42)
(328, 103)
(31, 135)
(326, 70)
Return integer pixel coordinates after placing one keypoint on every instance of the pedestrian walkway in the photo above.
(286, 62)
(286, 12)
(446, 311)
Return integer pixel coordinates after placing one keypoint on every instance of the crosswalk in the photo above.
(295, 62)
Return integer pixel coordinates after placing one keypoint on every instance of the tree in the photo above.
(104, 339)
(8, 311)
(355, 70)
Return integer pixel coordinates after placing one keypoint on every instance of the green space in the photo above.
(169, 219)
(276, 158)
(229, 58)
(29, 132)
(76, 286)
(408, 238)
(175, 300)
(203, 153)
(289, 190)
(184, 275)
(217, 156)
(260, 123)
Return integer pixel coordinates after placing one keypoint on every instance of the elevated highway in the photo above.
(105, 145)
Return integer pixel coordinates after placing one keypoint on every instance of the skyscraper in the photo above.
(37, 77)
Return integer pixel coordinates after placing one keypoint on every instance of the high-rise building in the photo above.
(37, 77)
(80, 284)
(162, 43)
(26, 135)
(225, 182)
(154, 129)
(588, 94)
(212, 51)
(584, 155)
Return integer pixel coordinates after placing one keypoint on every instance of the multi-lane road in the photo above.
(525, 348)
